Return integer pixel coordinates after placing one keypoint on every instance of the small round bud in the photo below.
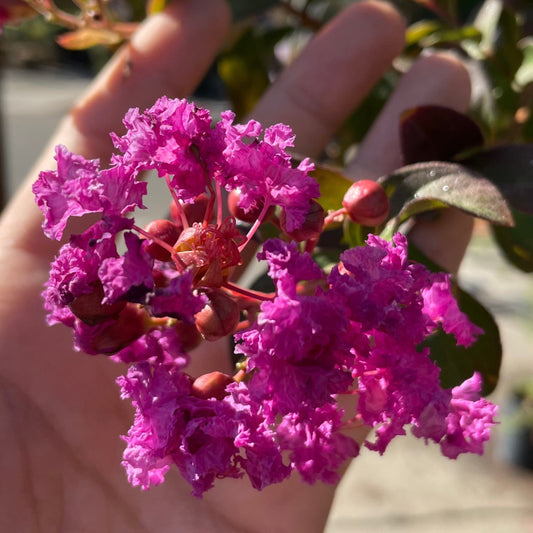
(189, 335)
(366, 203)
(219, 317)
(165, 231)
(129, 325)
(212, 385)
(194, 212)
(90, 309)
(240, 214)
(312, 226)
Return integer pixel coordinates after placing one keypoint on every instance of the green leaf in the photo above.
(517, 242)
(436, 133)
(446, 36)
(419, 30)
(524, 74)
(333, 186)
(458, 363)
(510, 168)
(425, 186)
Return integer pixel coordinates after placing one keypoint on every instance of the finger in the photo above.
(331, 76)
(334, 73)
(439, 79)
(159, 60)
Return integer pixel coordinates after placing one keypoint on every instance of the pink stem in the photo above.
(153, 238)
(184, 220)
(256, 225)
(247, 292)
(331, 217)
(219, 204)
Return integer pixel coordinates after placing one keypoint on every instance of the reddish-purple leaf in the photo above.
(436, 133)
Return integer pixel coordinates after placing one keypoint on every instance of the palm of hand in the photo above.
(60, 411)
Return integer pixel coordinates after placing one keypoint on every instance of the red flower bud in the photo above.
(165, 231)
(312, 226)
(189, 336)
(239, 213)
(90, 309)
(366, 203)
(129, 325)
(194, 212)
(219, 317)
(212, 385)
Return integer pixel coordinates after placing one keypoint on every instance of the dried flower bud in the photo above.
(311, 228)
(366, 203)
(165, 231)
(219, 317)
(90, 309)
(212, 385)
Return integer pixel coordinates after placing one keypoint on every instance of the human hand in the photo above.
(61, 411)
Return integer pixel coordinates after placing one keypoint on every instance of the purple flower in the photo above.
(173, 427)
(129, 276)
(381, 289)
(296, 347)
(79, 187)
(287, 265)
(178, 299)
(357, 331)
(155, 392)
(261, 457)
(441, 306)
(317, 448)
(161, 346)
(262, 171)
(174, 138)
(469, 420)
(75, 271)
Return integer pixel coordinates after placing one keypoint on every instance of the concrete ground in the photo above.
(412, 488)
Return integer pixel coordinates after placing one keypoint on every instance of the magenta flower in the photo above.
(442, 307)
(262, 171)
(79, 187)
(145, 296)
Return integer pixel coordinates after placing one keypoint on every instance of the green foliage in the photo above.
(421, 187)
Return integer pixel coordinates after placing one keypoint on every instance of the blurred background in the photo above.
(412, 488)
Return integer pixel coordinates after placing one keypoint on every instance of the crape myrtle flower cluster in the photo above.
(148, 296)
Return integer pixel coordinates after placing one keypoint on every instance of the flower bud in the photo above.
(239, 213)
(115, 335)
(312, 226)
(189, 335)
(90, 309)
(219, 317)
(165, 231)
(366, 203)
(212, 385)
(194, 212)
